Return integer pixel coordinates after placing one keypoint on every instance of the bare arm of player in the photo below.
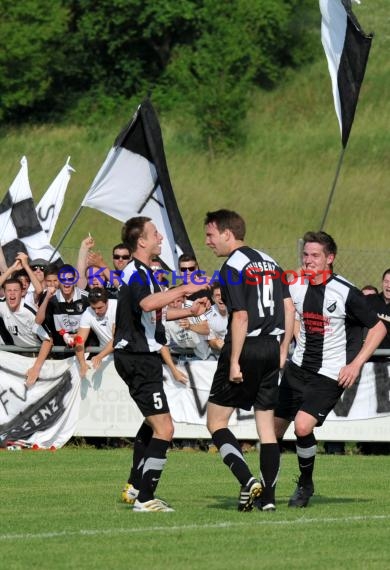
(163, 298)
(197, 308)
(349, 373)
(289, 321)
(239, 328)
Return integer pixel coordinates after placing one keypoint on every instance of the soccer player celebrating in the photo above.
(260, 309)
(139, 336)
(329, 352)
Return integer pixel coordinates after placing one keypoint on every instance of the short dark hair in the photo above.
(215, 285)
(51, 269)
(385, 273)
(370, 288)
(97, 294)
(227, 220)
(20, 273)
(323, 239)
(120, 246)
(187, 257)
(12, 280)
(133, 230)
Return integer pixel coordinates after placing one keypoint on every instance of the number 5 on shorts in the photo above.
(157, 402)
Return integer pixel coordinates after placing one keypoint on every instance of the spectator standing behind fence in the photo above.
(17, 326)
(61, 309)
(217, 318)
(248, 367)
(381, 304)
(139, 336)
(31, 284)
(99, 317)
(183, 342)
(328, 356)
(110, 278)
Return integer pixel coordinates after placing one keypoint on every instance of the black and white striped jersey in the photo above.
(65, 315)
(251, 281)
(332, 317)
(135, 329)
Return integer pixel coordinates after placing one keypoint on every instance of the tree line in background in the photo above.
(73, 59)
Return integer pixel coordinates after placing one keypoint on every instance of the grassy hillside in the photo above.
(279, 182)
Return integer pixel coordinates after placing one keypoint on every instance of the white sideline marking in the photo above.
(190, 527)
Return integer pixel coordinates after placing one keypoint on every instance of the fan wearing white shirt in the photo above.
(17, 324)
(217, 318)
(100, 317)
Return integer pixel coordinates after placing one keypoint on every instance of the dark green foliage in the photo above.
(32, 34)
(86, 58)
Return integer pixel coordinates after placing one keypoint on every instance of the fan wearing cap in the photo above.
(38, 267)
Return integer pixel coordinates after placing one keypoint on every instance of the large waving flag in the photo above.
(134, 181)
(20, 230)
(346, 48)
(51, 202)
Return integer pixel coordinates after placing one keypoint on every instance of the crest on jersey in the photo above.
(332, 307)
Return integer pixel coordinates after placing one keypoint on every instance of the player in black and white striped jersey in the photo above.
(260, 309)
(329, 352)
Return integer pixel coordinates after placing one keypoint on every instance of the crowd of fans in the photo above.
(43, 305)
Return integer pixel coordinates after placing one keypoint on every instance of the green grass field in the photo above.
(61, 510)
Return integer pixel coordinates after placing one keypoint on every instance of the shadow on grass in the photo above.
(324, 500)
(230, 503)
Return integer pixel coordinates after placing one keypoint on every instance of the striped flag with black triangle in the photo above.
(20, 230)
(134, 181)
(347, 48)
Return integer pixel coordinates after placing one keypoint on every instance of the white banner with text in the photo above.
(60, 405)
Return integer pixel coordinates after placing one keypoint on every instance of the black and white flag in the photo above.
(20, 230)
(346, 48)
(134, 181)
(50, 204)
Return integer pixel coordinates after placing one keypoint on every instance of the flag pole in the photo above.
(328, 205)
(76, 215)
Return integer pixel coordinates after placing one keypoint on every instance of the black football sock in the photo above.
(232, 456)
(141, 442)
(155, 459)
(269, 469)
(306, 454)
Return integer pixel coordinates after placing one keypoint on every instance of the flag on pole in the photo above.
(51, 202)
(134, 181)
(20, 230)
(346, 48)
